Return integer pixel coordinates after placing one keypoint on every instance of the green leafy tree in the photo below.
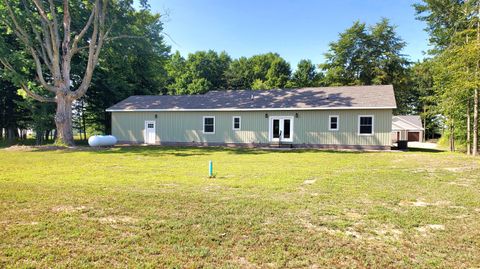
(454, 29)
(11, 114)
(52, 35)
(278, 74)
(347, 61)
(129, 66)
(240, 74)
(200, 72)
(264, 71)
(444, 20)
(259, 84)
(423, 86)
(370, 56)
(305, 75)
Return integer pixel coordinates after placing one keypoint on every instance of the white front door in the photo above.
(281, 129)
(150, 132)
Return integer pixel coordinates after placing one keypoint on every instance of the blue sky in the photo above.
(296, 29)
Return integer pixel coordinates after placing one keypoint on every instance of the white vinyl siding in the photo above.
(311, 127)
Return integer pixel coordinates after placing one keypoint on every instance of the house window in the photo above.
(236, 123)
(208, 125)
(333, 123)
(365, 125)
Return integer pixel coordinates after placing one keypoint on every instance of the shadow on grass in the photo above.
(155, 151)
(30, 142)
(425, 150)
(17, 142)
(158, 151)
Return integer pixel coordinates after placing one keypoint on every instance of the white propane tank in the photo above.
(102, 140)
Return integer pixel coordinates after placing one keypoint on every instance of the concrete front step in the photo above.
(281, 145)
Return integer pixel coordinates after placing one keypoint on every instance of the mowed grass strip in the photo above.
(156, 207)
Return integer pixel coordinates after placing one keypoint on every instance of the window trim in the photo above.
(203, 124)
(373, 125)
(239, 123)
(330, 122)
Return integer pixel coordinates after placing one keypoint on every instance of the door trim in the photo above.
(145, 140)
(270, 128)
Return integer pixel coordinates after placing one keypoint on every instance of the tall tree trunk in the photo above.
(63, 120)
(12, 133)
(424, 125)
(84, 125)
(452, 137)
(475, 97)
(469, 122)
(475, 123)
(39, 137)
(56, 53)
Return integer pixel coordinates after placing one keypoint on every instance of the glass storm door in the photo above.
(281, 129)
(149, 132)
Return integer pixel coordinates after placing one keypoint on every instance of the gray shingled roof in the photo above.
(344, 97)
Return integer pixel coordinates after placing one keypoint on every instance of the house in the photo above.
(407, 128)
(356, 117)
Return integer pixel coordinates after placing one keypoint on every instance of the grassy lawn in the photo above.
(156, 207)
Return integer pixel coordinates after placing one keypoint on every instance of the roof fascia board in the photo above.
(245, 109)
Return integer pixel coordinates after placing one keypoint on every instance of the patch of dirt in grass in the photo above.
(173, 185)
(360, 230)
(18, 148)
(352, 215)
(430, 228)
(244, 263)
(28, 223)
(463, 182)
(269, 221)
(7, 225)
(70, 209)
(421, 203)
(309, 181)
(429, 170)
(463, 216)
(215, 188)
(51, 148)
(459, 169)
(118, 219)
(314, 228)
(352, 233)
(459, 184)
(389, 232)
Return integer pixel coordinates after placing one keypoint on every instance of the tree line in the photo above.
(136, 60)
(448, 79)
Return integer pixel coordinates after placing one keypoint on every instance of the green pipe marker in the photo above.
(210, 168)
